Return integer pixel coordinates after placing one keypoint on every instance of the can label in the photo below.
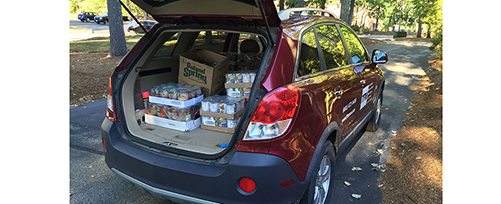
(230, 108)
(231, 123)
(209, 121)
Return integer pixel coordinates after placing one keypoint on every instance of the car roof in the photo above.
(293, 26)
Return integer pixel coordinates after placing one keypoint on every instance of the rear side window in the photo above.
(354, 46)
(168, 47)
(332, 46)
(211, 40)
(309, 61)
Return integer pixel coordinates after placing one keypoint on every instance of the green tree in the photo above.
(376, 9)
(422, 11)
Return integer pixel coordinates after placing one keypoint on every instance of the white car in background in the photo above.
(133, 26)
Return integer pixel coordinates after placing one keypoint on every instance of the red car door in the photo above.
(366, 82)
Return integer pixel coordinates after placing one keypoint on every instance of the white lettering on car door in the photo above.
(366, 91)
(348, 107)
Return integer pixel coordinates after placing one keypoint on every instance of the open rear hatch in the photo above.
(260, 12)
(161, 104)
(237, 49)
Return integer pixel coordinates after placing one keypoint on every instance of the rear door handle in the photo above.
(338, 93)
(362, 81)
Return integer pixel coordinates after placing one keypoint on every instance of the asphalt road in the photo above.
(91, 25)
(92, 182)
(92, 29)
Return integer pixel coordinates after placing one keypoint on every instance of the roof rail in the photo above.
(293, 12)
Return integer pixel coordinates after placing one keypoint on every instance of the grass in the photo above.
(99, 44)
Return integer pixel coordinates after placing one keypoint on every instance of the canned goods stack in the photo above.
(172, 105)
(221, 113)
(176, 91)
(238, 85)
(173, 113)
(240, 77)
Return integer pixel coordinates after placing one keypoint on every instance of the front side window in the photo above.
(332, 46)
(354, 46)
(309, 61)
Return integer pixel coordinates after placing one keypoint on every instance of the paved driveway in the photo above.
(92, 182)
(85, 30)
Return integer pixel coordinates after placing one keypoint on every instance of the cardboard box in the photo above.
(238, 85)
(203, 68)
(175, 103)
(172, 124)
(217, 128)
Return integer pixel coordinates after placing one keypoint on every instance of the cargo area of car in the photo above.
(162, 104)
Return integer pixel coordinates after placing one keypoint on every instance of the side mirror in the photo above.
(379, 57)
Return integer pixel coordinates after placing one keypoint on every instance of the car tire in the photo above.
(373, 124)
(82, 20)
(321, 181)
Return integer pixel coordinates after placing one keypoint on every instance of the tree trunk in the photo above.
(116, 26)
(362, 19)
(281, 4)
(419, 28)
(428, 33)
(208, 37)
(345, 11)
(377, 22)
(352, 9)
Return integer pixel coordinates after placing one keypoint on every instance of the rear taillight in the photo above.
(273, 114)
(110, 111)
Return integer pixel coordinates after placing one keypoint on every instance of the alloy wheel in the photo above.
(378, 110)
(322, 181)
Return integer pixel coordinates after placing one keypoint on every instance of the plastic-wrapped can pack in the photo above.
(183, 94)
(205, 105)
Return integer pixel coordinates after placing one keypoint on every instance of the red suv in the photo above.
(315, 87)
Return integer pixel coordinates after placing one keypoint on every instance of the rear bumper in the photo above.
(160, 192)
(182, 179)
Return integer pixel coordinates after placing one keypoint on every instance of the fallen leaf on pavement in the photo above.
(356, 168)
(357, 196)
(347, 183)
(378, 152)
(378, 167)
